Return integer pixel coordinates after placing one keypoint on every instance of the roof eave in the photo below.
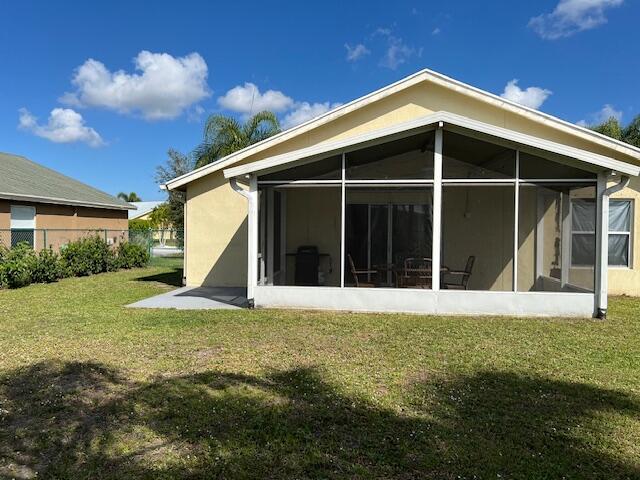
(64, 201)
(427, 121)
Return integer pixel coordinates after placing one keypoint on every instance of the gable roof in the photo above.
(143, 208)
(446, 118)
(411, 80)
(22, 179)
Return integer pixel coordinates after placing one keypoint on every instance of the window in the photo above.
(23, 224)
(583, 238)
(619, 233)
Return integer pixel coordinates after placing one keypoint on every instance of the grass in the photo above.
(90, 389)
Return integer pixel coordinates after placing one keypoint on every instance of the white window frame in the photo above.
(614, 232)
(35, 216)
(628, 233)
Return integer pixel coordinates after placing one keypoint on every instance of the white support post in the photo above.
(437, 209)
(516, 215)
(184, 242)
(602, 246)
(252, 239)
(342, 222)
(262, 235)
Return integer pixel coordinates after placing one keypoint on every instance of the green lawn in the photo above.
(89, 389)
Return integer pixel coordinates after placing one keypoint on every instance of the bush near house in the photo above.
(88, 256)
(132, 255)
(21, 266)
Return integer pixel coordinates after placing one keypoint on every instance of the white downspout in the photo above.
(252, 237)
(602, 260)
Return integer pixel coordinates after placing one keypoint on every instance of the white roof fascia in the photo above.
(63, 201)
(447, 118)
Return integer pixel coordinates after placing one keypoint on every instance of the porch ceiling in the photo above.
(517, 139)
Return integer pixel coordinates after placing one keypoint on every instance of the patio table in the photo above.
(399, 272)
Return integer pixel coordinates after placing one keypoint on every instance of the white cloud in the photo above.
(605, 113)
(436, 31)
(64, 126)
(356, 52)
(248, 99)
(572, 16)
(194, 115)
(397, 51)
(304, 111)
(532, 97)
(162, 87)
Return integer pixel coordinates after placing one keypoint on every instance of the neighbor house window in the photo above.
(23, 224)
(583, 237)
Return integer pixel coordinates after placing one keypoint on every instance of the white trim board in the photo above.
(443, 302)
(424, 123)
(425, 75)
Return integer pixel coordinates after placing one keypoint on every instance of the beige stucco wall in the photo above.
(478, 221)
(216, 234)
(65, 223)
(322, 228)
(216, 216)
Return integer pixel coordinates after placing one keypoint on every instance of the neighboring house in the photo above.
(143, 210)
(428, 195)
(48, 209)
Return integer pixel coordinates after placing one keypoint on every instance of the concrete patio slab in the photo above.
(197, 298)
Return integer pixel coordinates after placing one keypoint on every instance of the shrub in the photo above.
(18, 265)
(88, 256)
(132, 255)
(49, 267)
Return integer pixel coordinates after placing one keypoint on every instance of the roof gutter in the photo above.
(237, 188)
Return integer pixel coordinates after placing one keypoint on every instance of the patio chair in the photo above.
(356, 273)
(416, 273)
(459, 279)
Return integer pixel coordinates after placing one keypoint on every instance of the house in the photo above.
(143, 209)
(160, 233)
(48, 209)
(428, 195)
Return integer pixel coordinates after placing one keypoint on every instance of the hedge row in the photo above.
(21, 265)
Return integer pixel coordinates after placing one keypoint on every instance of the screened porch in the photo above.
(510, 220)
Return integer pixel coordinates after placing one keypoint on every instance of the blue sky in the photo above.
(101, 90)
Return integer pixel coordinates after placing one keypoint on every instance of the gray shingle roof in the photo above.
(22, 179)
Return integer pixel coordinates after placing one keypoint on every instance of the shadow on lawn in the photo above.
(173, 278)
(82, 420)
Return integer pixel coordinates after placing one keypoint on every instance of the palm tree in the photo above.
(225, 135)
(129, 197)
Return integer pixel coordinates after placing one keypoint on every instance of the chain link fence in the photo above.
(160, 243)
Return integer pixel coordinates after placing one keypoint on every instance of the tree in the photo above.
(225, 135)
(160, 219)
(631, 133)
(177, 164)
(129, 197)
(612, 128)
